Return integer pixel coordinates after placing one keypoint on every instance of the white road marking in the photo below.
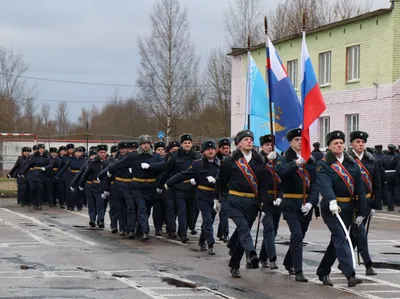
(140, 288)
(28, 233)
(87, 242)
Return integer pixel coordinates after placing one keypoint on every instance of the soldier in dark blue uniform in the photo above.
(51, 183)
(71, 169)
(378, 154)
(204, 172)
(38, 163)
(93, 188)
(390, 162)
(271, 207)
(145, 165)
(66, 178)
(224, 146)
(340, 183)
(184, 197)
(23, 187)
(297, 176)
(57, 164)
(159, 201)
(372, 184)
(244, 176)
(316, 153)
(169, 195)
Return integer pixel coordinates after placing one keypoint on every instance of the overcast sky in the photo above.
(96, 41)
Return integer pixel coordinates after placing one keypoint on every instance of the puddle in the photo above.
(386, 265)
(85, 270)
(391, 253)
(179, 283)
(287, 243)
(120, 275)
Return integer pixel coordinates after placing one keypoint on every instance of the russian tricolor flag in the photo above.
(312, 100)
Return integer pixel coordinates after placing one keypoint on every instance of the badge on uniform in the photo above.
(318, 169)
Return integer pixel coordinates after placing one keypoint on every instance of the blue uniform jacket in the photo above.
(331, 186)
(34, 163)
(371, 164)
(200, 170)
(17, 168)
(72, 167)
(292, 183)
(268, 204)
(92, 171)
(178, 162)
(142, 178)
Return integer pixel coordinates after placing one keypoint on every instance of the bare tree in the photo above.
(243, 19)
(217, 79)
(62, 118)
(168, 64)
(44, 117)
(29, 115)
(286, 19)
(12, 87)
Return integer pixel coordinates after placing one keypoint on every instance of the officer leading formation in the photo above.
(175, 183)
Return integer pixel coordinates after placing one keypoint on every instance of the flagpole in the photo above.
(271, 122)
(248, 91)
(304, 170)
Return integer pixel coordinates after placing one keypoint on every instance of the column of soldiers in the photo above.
(175, 183)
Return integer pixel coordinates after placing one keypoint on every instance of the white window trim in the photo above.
(323, 73)
(296, 62)
(350, 78)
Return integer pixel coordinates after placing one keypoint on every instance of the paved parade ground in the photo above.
(54, 254)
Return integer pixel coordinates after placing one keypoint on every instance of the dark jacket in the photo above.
(92, 171)
(34, 163)
(372, 166)
(331, 186)
(17, 168)
(317, 154)
(268, 204)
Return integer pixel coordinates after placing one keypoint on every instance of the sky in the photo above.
(96, 41)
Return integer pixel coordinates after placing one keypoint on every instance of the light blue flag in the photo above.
(259, 104)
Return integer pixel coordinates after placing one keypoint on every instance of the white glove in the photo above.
(109, 174)
(72, 189)
(193, 182)
(98, 179)
(373, 212)
(211, 180)
(217, 206)
(106, 193)
(8, 176)
(43, 169)
(166, 187)
(145, 166)
(277, 202)
(159, 191)
(306, 208)
(359, 220)
(103, 196)
(301, 161)
(272, 156)
(333, 207)
(130, 170)
(21, 176)
(81, 188)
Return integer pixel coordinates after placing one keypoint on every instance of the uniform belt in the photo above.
(367, 196)
(272, 192)
(74, 171)
(205, 188)
(343, 199)
(55, 168)
(242, 194)
(36, 168)
(187, 181)
(144, 180)
(96, 182)
(294, 195)
(89, 182)
(124, 180)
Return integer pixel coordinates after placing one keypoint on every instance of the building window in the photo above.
(325, 125)
(292, 71)
(353, 63)
(325, 68)
(352, 124)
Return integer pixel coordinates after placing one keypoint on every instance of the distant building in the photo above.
(357, 63)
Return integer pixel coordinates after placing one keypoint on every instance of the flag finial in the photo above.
(248, 43)
(304, 19)
(266, 25)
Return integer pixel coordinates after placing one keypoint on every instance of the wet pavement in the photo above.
(54, 254)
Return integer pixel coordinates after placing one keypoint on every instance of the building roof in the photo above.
(239, 51)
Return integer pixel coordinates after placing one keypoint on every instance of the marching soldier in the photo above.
(159, 202)
(204, 172)
(71, 168)
(51, 184)
(297, 176)
(92, 187)
(145, 165)
(23, 188)
(316, 153)
(38, 163)
(224, 146)
(340, 183)
(184, 198)
(390, 162)
(379, 158)
(271, 206)
(244, 176)
(57, 164)
(372, 184)
(66, 179)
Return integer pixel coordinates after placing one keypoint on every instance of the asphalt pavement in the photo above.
(53, 253)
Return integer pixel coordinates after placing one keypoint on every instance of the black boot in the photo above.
(92, 224)
(211, 250)
(235, 273)
(352, 281)
(326, 280)
(202, 246)
(290, 270)
(265, 264)
(145, 237)
(101, 224)
(370, 271)
(172, 235)
(114, 230)
(273, 266)
(254, 261)
(131, 235)
(300, 277)
(158, 231)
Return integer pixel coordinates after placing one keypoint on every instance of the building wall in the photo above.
(238, 94)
